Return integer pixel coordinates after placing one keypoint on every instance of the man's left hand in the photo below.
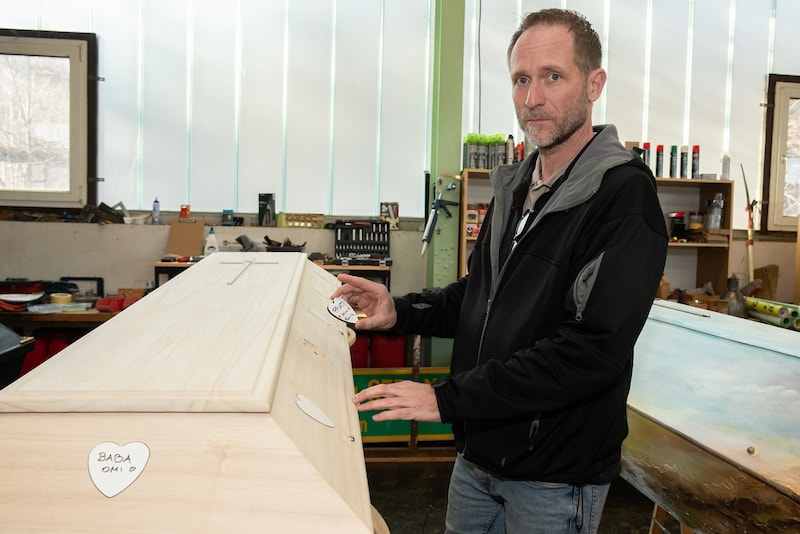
(403, 401)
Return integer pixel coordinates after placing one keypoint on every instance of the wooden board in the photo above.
(206, 473)
(714, 435)
(186, 237)
(240, 338)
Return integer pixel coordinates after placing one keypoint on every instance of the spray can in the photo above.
(673, 161)
(646, 153)
(659, 161)
(472, 151)
(510, 149)
(684, 161)
(483, 152)
(695, 161)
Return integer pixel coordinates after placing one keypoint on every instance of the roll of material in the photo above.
(60, 298)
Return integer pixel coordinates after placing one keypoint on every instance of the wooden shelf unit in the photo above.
(470, 194)
(692, 194)
(712, 258)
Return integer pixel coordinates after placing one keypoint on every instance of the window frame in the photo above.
(81, 49)
(780, 87)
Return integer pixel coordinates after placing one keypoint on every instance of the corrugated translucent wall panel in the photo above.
(356, 97)
(210, 102)
(626, 60)
(404, 111)
(308, 105)
(261, 117)
(166, 102)
(212, 124)
(119, 131)
(748, 91)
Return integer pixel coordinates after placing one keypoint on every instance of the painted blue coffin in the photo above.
(714, 415)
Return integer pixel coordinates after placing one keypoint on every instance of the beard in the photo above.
(563, 127)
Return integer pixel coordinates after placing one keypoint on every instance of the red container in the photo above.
(110, 304)
(359, 351)
(388, 351)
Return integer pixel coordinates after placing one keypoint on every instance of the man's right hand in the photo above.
(373, 299)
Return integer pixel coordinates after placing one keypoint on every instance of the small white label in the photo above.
(113, 468)
(340, 309)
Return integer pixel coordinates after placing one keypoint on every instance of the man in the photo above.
(560, 283)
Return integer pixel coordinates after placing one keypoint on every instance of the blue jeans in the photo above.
(481, 503)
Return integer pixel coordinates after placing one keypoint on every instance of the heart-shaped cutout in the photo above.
(114, 467)
(342, 310)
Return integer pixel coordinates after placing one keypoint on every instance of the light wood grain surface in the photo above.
(237, 379)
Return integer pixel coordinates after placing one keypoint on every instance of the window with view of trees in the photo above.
(44, 125)
(782, 155)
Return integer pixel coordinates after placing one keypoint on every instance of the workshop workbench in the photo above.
(381, 272)
(169, 269)
(26, 323)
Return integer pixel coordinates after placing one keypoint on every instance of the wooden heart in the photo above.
(113, 468)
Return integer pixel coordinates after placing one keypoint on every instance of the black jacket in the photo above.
(544, 336)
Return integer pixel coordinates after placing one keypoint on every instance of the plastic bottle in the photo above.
(726, 167)
(211, 243)
(736, 303)
(156, 215)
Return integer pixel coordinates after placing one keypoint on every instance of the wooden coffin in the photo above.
(218, 403)
(714, 415)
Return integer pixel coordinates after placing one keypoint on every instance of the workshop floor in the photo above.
(412, 499)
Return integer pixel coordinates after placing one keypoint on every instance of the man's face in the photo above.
(551, 96)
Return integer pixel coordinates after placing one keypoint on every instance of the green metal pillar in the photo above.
(448, 73)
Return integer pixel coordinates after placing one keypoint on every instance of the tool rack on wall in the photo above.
(362, 242)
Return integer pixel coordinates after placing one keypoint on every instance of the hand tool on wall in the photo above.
(439, 203)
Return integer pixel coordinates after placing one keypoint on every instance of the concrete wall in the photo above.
(124, 254)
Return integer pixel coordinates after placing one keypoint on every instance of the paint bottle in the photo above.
(695, 161)
(673, 161)
(659, 161)
(684, 161)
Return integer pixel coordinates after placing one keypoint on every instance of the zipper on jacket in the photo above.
(532, 432)
(584, 282)
(483, 329)
(478, 358)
